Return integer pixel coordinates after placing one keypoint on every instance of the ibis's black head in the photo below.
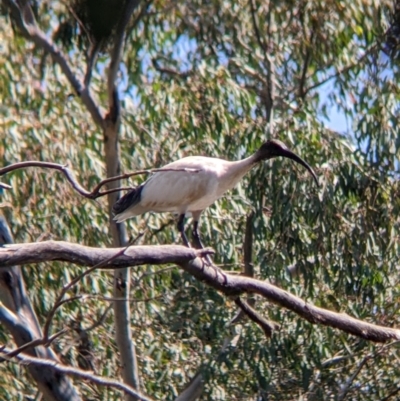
(274, 148)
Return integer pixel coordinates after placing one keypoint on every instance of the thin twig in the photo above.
(92, 56)
(267, 325)
(5, 186)
(169, 70)
(345, 387)
(96, 193)
(342, 70)
(36, 342)
(100, 321)
(306, 63)
(83, 374)
(80, 23)
(59, 301)
(268, 92)
(26, 23)
(255, 27)
(139, 16)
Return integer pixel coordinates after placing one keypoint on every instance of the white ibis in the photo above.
(185, 192)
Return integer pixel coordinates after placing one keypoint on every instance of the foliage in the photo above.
(199, 78)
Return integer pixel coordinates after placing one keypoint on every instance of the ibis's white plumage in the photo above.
(187, 191)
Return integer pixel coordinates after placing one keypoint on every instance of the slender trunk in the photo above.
(123, 333)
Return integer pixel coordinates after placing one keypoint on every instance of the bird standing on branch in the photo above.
(198, 182)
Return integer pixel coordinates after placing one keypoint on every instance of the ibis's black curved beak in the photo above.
(290, 155)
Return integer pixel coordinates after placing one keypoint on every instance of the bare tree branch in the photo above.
(110, 126)
(267, 326)
(19, 318)
(248, 262)
(342, 70)
(170, 71)
(261, 43)
(59, 301)
(306, 62)
(36, 342)
(91, 59)
(193, 390)
(35, 252)
(123, 334)
(25, 21)
(96, 193)
(117, 50)
(189, 260)
(268, 91)
(58, 367)
(345, 387)
(248, 246)
(5, 186)
(138, 17)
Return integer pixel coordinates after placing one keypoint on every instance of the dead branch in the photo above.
(170, 71)
(83, 374)
(116, 52)
(248, 268)
(18, 317)
(267, 326)
(22, 254)
(341, 71)
(95, 193)
(24, 18)
(5, 186)
(59, 301)
(189, 260)
(36, 342)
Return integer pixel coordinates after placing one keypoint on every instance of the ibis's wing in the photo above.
(174, 191)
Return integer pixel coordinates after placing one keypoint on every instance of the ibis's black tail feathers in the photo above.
(130, 199)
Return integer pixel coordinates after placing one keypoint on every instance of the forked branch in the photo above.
(67, 370)
(96, 192)
(190, 260)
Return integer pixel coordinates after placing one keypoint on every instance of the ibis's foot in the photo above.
(207, 259)
(221, 272)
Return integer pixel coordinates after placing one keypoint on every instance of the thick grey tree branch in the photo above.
(37, 252)
(189, 260)
(18, 317)
(109, 124)
(57, 367)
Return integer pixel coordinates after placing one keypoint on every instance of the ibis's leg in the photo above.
(197, 241)
(199, 245)
(181, 229)
(196, 236)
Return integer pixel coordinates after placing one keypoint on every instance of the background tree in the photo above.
(213, 78)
